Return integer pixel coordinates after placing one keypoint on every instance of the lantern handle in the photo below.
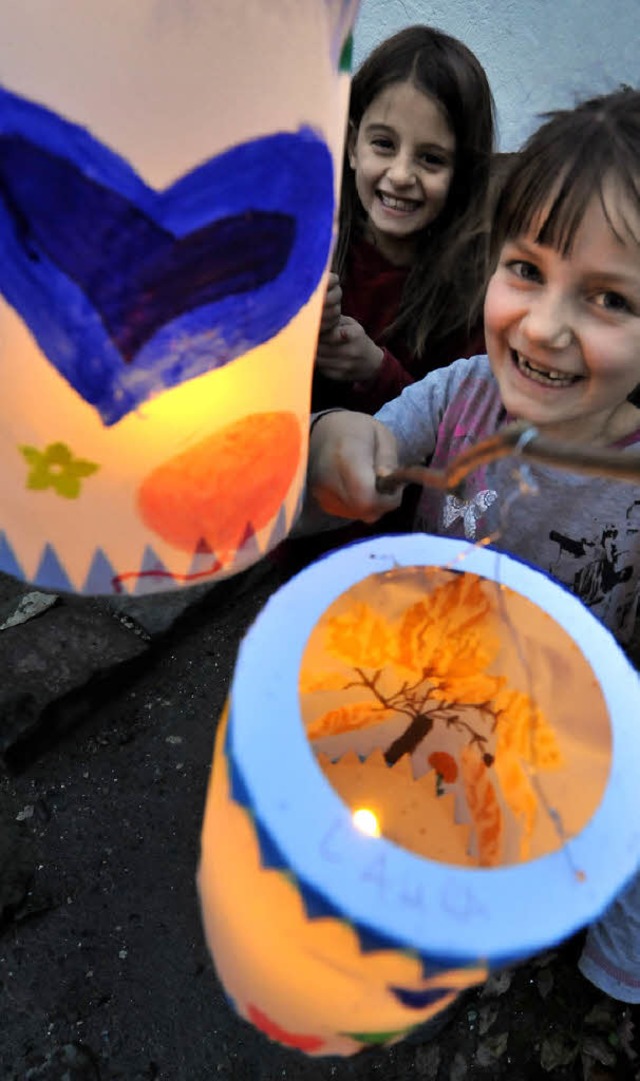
(518, 440)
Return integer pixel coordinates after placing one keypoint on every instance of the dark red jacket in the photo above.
(371, 293)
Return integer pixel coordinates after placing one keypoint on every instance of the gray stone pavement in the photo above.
(59, 657)
(59, 654)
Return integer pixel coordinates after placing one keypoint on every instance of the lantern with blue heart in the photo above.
(168, 177)
(427, 770)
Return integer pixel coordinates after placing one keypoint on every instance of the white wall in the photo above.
(538, 54)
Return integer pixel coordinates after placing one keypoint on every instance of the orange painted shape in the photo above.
(229, 484)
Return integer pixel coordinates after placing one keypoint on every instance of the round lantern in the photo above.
(427, 770)
(168, 178)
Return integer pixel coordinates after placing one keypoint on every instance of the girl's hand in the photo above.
(347, 354)
(332, 304)
(347, 451)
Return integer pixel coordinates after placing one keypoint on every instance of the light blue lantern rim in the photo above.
(454, 915)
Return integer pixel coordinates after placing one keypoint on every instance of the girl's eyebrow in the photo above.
(377, 125)
(527, 246)
(618, 278)
(446, 151)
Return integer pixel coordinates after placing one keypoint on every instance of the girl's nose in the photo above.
(548, 322)
(401, 171)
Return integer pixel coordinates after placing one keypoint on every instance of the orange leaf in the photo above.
(485, 810)
(310, 681)
(347, 719)
(412, 642)
(470, 689)
(523, 728)
(360, 637)
(519, 796)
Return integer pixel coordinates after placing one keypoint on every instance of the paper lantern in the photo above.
(168, 174)
(428, 770)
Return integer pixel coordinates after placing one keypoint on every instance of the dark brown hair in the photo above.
(443, 293)
(564, 165)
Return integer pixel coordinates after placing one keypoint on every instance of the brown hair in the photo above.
(444, 288)
(568, 161)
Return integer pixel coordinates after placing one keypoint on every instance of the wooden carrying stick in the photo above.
(522, 441)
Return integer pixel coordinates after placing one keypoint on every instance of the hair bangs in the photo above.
(574, 192)
(575, 157)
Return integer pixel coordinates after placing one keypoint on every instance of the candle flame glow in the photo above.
(366, 821)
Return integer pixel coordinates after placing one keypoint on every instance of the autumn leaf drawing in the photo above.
(441, 650)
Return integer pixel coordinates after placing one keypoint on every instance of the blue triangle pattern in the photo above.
(239, 791)
(248, 545)
(418, 1000)
(8, 562)
(373, 941)
(436, 966)
(271, 856)
(153, 575)
(280, 529)
(315, 904)
(227, 750)
(203, 564)
(101, 575)
(51, 573)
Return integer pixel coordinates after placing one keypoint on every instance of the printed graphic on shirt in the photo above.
(600, 569)
(469, 510)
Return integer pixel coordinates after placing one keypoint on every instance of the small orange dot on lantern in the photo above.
(366, 821)
(444, 764)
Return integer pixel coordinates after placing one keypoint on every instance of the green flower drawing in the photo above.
(55, 467)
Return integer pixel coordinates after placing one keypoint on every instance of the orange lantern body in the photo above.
(485, 720)
(168, 178)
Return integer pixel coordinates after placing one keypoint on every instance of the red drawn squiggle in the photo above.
(119, 579)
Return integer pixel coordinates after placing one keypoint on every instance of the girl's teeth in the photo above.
(397, 204)
(559, 379)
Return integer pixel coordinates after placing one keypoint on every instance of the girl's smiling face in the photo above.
(563, 331)
(403, 155)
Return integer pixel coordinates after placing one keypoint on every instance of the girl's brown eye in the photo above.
(523, 269)
(613, 302)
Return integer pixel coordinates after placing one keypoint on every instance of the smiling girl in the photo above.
(562, 326)
(406, 293)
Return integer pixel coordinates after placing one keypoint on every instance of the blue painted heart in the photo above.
(129, 290)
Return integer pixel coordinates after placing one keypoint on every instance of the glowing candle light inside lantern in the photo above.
(410, 812)
(366, 821)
